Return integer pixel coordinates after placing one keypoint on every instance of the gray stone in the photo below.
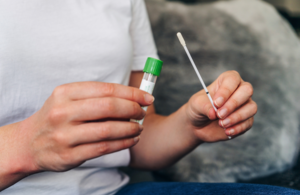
(247, 36)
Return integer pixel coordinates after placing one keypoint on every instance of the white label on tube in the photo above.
(147, 86)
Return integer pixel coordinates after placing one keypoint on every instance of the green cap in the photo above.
(153, 66)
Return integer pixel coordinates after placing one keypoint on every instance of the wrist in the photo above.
(14, 165)
(16, 159)
(188, 125)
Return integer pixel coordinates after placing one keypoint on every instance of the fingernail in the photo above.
(225, 122)
(149, 98)
(230, 132)
(136, 139)
(141, 127)
(219, 101)
(222, 113)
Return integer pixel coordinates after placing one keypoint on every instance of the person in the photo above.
(69, 72)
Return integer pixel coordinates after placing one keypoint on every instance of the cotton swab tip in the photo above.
(181, 39)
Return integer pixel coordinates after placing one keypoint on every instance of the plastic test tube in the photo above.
(151, 71)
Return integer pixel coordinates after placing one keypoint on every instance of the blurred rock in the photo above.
(247, 36)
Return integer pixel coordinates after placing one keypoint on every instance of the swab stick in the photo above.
(180, 37)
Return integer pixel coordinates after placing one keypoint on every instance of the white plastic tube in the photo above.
(147, 85)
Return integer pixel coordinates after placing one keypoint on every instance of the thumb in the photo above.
(201, 106)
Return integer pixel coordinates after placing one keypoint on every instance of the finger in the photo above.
(238, 98)
(199, 106)
(211, 133)
(93, 150)
(228, 83)
(240, 128)
(101, 108)
(103, 131)
(87, 90)
(243, 113)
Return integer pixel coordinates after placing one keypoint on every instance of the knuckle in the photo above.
(108, 89)
(60, 138)
(206, 107)
(250, 123)
(248, 88)
(137, 110)
(234, 104)
(236, 76)
(108, 104)
(134, 128)
(102, 148)
(243, 132)
(133, 93)
(57, 115)
(60, 91)
(66, 157)
(244, 126)
(227, 92)
(254, 106)
(104, 133)
(238, 117)
(240, 128)
(236, 73)
(127, 143)
(247, 125)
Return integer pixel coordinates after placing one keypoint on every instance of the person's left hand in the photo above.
(232, 98)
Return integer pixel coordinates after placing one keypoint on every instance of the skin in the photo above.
(82, 121)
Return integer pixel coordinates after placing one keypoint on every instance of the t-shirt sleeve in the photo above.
(141, 35)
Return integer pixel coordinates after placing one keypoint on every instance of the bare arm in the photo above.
(166, 139)
(12, 167)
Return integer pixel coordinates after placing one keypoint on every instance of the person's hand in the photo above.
(232, 98)
(79, 121)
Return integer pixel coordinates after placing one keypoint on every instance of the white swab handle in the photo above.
(181, 39)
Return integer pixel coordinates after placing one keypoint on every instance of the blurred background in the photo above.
(289, 9)
(260, 40)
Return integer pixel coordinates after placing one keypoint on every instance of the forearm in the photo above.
(164, 141)
(12, 167)
(8, 178)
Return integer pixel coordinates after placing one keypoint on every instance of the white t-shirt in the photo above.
(47, 43)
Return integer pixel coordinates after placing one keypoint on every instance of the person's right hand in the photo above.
(80, 121)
